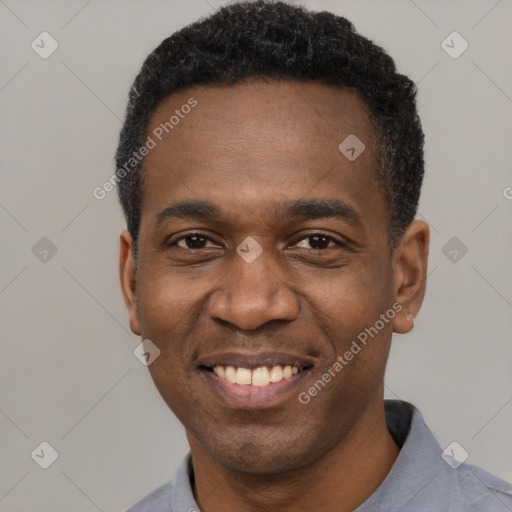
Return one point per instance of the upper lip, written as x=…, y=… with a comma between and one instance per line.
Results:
x=251, y=361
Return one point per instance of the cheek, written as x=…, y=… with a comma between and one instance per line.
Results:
x=163, y=302
x=349, y=309
x=352, y=298
x=170, y=315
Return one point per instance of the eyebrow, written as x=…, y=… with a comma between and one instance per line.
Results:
x=303, y=209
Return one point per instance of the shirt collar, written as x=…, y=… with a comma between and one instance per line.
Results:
x=417, y=466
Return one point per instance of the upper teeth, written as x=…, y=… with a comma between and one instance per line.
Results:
x=261, y=376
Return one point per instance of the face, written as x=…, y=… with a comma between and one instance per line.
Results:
x=261, y=247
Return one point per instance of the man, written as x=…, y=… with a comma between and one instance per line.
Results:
x=270, y=167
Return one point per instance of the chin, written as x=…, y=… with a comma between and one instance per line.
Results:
x=256, y=464
x=262, y=455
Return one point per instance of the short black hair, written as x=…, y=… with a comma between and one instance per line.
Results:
x=276, y=40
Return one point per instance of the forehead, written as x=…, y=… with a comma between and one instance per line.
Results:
x=260, y=142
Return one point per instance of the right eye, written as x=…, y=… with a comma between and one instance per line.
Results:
x=192, y=241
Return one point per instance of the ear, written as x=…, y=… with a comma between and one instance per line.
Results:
x=410, y=260
x=128, y=277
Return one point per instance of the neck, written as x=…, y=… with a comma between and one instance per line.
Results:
x=340, y=479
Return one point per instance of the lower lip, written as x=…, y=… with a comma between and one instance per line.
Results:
x=254, y=397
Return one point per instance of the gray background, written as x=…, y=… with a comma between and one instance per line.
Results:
x=68, y=373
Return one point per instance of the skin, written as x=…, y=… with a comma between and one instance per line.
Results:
x=245, y=148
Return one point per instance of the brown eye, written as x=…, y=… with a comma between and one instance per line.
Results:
x=318, y=241
x=191, y=241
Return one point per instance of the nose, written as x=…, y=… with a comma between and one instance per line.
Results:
x=253, y=294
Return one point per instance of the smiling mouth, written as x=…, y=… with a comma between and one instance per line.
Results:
x=258, y=377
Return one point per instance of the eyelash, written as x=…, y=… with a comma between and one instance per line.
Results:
x=337, y=242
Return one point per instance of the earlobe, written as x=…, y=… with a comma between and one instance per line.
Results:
x=128, y=278
x=410, y=261
x=411, y=316
x=404, y=323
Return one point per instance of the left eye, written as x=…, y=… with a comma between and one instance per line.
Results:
x=318, y=241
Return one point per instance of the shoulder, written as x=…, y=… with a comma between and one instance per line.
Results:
x=158, y=500
x=423, y=479
x=480, y=490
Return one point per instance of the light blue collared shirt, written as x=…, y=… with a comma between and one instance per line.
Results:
x=419, y=481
